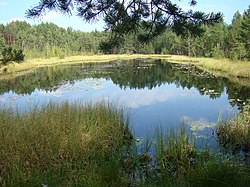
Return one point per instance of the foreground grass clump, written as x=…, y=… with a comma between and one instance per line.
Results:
x=234, y=135
x=181, y=163
x=174, y=159
x=62, y=145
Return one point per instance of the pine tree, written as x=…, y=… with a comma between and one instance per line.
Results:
x=245, y=31
x=236, y=49
x=127, y=17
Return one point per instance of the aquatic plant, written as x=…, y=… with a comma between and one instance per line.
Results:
x=92, y=145
x=62, y=145
x=178, y=161
x=234, y=135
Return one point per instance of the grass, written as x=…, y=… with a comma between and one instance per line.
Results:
x=30, y=64
x=62, y=145
x=234, y=135
x=178, y=162
x=222, y=67
x=90, y=145
x=226, y=67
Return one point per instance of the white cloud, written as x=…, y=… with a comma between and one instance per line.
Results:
x=51, y=16
x=198, y=124
x=137, y=98
x=2, y=99
x=3, y=3
x=57, y=93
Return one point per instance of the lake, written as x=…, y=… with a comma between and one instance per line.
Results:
x=154, y=92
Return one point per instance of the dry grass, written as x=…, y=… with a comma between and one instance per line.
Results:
x=222, y=66
x=15, y=68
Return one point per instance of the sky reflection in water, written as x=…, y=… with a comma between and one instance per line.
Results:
x=150, y=108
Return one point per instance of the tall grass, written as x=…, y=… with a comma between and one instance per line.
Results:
x=91, y=145
x=62, y=145
x=234, y=135
x=178, y=161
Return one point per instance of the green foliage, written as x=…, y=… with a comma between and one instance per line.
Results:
x=235, y=45
x=217, y=52
x=245, y=31
x=2, y=43
x=164, y=51
x=10, y=54
x=47, y=40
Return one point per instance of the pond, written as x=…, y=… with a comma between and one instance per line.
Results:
x=155, y=92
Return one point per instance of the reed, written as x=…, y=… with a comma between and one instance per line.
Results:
x=178, y=161
x=234, y=135
x=62, y=145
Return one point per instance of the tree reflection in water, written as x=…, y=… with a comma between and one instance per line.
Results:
x=135, y=74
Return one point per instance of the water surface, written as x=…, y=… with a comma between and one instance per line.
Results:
x=155, y=92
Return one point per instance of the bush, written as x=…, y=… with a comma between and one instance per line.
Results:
x=10, y=54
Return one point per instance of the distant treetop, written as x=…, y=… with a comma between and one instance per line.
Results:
x=129, y=16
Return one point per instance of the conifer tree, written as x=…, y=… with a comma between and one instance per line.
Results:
x=245, y=31
x=124, y=17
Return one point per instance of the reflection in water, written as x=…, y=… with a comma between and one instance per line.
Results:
x=157, y=92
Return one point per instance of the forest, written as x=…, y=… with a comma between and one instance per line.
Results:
x=46, y=40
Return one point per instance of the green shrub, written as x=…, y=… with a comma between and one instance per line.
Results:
x=10, y=54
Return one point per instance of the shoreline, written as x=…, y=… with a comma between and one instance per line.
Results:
x=221, y=67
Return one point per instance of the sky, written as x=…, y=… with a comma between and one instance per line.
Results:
x=15, y=10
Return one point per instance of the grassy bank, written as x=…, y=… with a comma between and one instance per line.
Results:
x=89, y=145
x=17, y=69
x=225, y=67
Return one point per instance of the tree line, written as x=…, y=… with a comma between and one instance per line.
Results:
x=47, y=40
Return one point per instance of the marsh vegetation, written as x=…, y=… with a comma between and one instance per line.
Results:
x=92, y=145
x=62, y=145
x=55, y=131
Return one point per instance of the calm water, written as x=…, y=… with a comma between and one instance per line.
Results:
x=155, y=92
